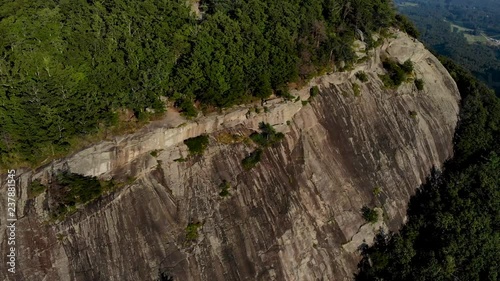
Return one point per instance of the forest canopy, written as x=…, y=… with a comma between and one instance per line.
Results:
x=67, y=67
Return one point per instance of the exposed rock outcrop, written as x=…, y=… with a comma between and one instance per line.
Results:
x=296, y=216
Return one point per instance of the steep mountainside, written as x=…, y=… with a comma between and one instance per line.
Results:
x=295, y=216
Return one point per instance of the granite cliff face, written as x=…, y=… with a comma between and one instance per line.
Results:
x=296, y=216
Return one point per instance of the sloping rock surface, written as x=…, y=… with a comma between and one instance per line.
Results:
x=295, y=216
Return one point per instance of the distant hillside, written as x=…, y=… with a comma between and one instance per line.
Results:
x=466, y=31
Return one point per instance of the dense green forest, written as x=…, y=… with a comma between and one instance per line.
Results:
x=459, y=29
x=68, y=67
x=453, y=224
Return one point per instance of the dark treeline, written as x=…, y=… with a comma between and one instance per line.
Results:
x=453, y=224
x=67, y=67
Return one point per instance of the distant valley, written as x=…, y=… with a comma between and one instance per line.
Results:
x=465, y=31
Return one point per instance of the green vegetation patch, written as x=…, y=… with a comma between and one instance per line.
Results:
x=155, y=152
x=67, y=190
x=356, y=89
x=396, y=73
x=370, y=215
x=362, y=76
x=377, y=191
x=224, y=187
x=407, y=66
x=36, y=188
x=476, y=38
x=285, y=94
x=314, y=91
x=229, y=138
x=197, y=145
x=186, y=107
x=419, y=83
x=252, y=159
x=267, y=136
x=192, y=231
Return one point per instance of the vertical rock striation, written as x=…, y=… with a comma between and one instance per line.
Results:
x=295, y=216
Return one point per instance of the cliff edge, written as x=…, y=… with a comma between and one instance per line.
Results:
x=295, y=216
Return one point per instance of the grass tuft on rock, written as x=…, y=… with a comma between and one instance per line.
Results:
x=224, y=187
x=361, y=75
x=192, y=231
